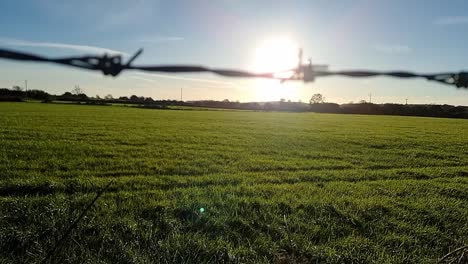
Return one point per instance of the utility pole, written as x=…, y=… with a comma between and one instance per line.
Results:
x=370, y=98
x=26, y=88
x=406, y=101
x=181, y=94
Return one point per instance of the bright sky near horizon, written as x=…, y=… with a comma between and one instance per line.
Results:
x=419, y=35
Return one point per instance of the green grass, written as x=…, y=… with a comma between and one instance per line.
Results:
x=275, y=187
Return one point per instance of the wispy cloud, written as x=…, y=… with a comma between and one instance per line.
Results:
x=143, y=79
x=158, y=39
x=81, y=48
x=393, y=49
x=146, y=76
x=451, y=20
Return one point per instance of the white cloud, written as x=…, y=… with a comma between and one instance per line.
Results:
x=393, y=49
x=143, y=79
x=81, y=48
x=153, y=75
x=451, y=20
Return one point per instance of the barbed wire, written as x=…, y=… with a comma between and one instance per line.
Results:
x=113, y=65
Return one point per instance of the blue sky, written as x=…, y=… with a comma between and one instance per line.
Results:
x=423, y=36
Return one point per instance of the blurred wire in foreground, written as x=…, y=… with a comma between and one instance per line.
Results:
x=113, y=65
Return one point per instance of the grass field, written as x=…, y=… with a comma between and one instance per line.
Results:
x=274, y=187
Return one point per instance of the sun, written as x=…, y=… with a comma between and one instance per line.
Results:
x=278, y=54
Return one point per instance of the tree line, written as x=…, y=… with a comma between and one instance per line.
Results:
x=316, y=104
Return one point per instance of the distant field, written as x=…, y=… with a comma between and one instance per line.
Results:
x=275, y=187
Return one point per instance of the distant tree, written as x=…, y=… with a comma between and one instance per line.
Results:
x=362, y=102
x=268, y=106
x=149, y=99
x=108, y=97
x=133, y=98
x=38, y=94
x=125, y=98
x=67, y=94
x=77, y=90
x=282, y=100
x=97, y=96
x=316, y=99
x=82, y=96
x=17, y=88
x=226, y=101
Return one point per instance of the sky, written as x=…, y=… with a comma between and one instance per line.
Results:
x=420, y=35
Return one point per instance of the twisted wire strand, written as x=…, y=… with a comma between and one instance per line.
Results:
x=113, y=65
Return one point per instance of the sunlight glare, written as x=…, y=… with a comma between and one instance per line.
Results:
x=272, y=90
x=275, y=55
